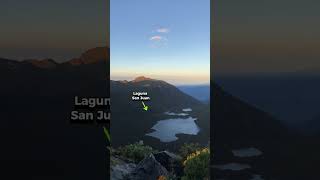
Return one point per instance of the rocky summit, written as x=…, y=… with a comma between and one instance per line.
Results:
x=151, y=167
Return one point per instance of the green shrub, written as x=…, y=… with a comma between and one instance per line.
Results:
x=196, y=166
x=188, y=148
x=135, y=152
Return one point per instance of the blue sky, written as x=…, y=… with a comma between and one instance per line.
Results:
x=162, y=39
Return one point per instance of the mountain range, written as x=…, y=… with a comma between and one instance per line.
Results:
x=39, y=141
x=164, y=98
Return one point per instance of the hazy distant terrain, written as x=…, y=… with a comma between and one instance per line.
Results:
x=200, y=92
x=293, y=98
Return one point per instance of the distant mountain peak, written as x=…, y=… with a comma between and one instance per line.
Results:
x=91, y=56
x=124, y=81
x=141, y=78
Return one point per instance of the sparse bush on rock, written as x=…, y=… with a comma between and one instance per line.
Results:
x=197, y=165
x=188, y=148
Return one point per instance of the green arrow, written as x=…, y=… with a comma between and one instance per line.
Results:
x=106, y=132
x=144, y=106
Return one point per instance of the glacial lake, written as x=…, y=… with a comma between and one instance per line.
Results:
x=232, y=166
x=187, y=110
x=247, y=152
x=256, y=177
x=175, y=114
x=166, y=130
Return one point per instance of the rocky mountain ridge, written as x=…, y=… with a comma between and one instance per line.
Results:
x=91, y=56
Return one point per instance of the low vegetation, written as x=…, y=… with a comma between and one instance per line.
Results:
x=188, y=148
x=135, y=152
x=196, y=165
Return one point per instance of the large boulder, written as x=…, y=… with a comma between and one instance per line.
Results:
x=170, y=161
x=120, y=169
x=148, y=168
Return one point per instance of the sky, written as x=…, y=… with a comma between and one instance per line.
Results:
x=59, y=29
x=249, y=36
x=258, y=36
x=167, y=40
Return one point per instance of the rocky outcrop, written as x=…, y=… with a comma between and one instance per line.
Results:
x=148, y=168
x=120, y=169
x=170, y=161
x=151, y=167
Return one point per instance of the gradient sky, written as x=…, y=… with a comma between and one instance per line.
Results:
x=59, y=29
x=258, y=36
x=167, y=39
x=249, y=36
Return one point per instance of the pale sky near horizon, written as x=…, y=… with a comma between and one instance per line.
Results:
x=167, y=40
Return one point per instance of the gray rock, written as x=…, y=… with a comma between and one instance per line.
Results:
x=170, y=161
x=120, y=169
x=148, y=168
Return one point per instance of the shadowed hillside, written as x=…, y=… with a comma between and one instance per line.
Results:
x=283, y=153
x=37, y=138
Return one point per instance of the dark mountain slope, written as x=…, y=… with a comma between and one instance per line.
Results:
x=234, y=118
x=37, y=139
x=45, y=63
